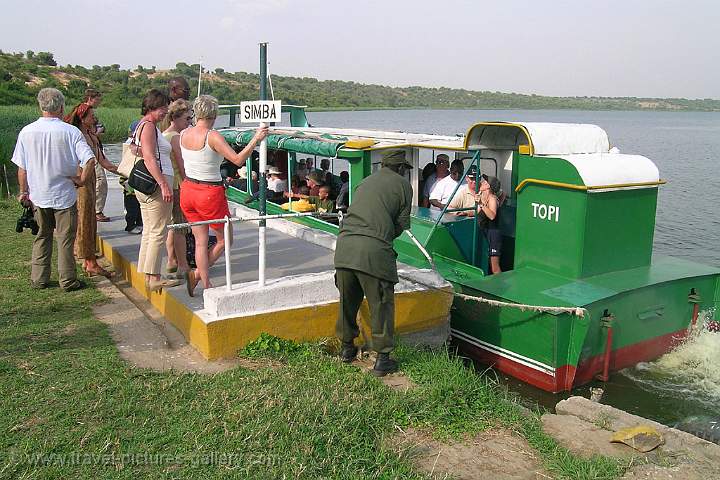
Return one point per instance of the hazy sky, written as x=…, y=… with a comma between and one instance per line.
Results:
x=550, y=47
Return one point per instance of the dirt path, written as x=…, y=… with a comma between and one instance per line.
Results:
x=145, y=339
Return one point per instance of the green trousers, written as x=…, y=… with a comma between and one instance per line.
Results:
x=62, y=225
x=353, y=286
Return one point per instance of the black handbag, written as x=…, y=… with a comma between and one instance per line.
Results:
x=140, y=178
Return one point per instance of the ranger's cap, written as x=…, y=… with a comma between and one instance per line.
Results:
x=395, y=157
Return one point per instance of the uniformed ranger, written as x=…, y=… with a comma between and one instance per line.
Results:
x=365, y=260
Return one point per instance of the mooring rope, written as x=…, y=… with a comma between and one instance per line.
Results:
x=577, y=311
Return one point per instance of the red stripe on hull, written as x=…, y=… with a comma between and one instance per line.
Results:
x=523, y=372
x=624, y=357
x=568, y=376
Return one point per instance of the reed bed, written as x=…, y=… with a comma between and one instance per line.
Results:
x=14, y=118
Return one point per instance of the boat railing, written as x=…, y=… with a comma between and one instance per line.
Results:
x=228, y=221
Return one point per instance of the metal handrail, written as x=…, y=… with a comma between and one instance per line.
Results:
x=227, y=221
x=584, y=188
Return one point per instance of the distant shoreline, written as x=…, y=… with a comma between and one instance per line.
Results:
x=556, y=108
x=22, y=75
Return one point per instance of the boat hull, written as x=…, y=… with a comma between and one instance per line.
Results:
x=559, y=352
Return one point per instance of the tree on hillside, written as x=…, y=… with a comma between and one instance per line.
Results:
x=45, y=58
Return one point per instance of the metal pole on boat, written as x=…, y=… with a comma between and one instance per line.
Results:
x=263, y=167
x=199, y=76
x=476, y=163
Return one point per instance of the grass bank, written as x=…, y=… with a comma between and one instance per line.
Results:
x=70, y=407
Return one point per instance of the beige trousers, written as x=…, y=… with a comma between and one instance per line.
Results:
x=155, y=214
x=61, y=224
x=101, y=188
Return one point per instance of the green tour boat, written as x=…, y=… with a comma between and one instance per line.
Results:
x=581, y=293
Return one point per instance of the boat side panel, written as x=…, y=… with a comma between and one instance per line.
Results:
x=550, y=221
x=619, y=228
x=649, y=318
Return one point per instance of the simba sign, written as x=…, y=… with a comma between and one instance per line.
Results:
x=260, y=111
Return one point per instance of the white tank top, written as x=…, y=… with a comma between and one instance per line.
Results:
x=164, y=148
x=203, y=164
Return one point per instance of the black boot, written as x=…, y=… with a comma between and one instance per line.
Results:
x=384, y=365
x=349, y=352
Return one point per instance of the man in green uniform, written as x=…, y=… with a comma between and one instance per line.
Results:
x=365, y=260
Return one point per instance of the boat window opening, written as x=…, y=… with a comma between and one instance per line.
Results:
x=284, y=120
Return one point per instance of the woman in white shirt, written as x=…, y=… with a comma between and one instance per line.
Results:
x=202, y=194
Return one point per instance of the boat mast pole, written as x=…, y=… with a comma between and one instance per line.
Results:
x=199, y=77
x=263, y=167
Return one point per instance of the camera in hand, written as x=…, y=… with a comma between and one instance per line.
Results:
x=27, y=220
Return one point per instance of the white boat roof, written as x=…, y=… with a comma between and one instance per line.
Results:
x=585, y=146
x=542, y=138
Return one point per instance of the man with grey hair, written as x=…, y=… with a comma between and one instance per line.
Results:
x=49, y=154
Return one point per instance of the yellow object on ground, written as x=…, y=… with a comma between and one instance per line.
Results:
x=642, y=438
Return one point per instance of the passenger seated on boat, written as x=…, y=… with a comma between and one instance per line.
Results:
x=444, y=188
x=275, y=182
x=465, y=196
x=228, y=171
x=325, y=165
x=322, y=202
x=427, y=172
x=330, y=181
x=240, y=182
x=442, y=170
x=489, y=218
x=295, y=183
x=314, y=181
x=343, y=198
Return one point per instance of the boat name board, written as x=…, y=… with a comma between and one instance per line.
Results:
x=260, y=111
x=546, y=212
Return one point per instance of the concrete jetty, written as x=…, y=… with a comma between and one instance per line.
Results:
x=299, y=301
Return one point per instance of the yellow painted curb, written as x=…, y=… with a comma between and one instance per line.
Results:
x=414, y=312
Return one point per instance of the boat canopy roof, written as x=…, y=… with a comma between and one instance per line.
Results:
x=540, y=138
x=535, y=138
x=585, y=146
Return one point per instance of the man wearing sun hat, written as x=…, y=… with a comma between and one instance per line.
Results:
x=365, y=260
x=314, y=180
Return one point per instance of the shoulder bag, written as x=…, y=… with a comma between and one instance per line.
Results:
x=129, y=157
x=140, y=178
